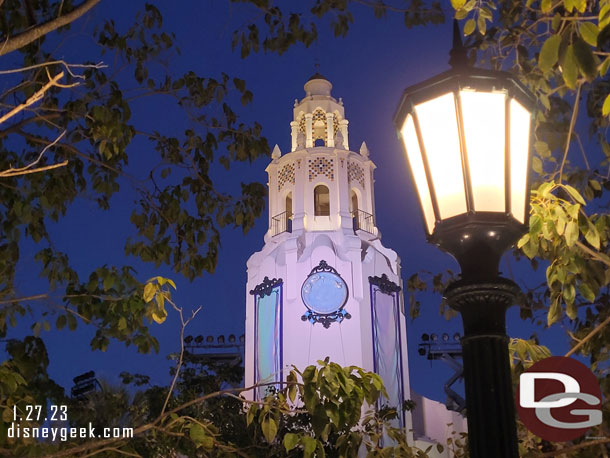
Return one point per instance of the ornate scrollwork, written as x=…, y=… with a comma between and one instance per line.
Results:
x=384, y=284
x=323, y=267
x=326, y=320
x=266, y=287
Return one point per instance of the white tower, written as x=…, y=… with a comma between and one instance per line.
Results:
x=323, y=285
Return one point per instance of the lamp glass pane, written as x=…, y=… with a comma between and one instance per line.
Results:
x=483, y=115
x=519, y=151
x=438, y=125
x=409, y=137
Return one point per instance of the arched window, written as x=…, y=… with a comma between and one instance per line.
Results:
x=320, y=142
x=289, y=205
x=321, y=200
x=354, y=203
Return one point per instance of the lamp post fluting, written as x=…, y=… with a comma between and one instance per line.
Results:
x=466, y=134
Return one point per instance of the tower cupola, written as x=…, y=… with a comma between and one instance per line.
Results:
x=320, y=185
x=319, y=118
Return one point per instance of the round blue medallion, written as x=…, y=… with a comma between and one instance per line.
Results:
x=324, y=292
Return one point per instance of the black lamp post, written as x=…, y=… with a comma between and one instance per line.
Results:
x=466, y=135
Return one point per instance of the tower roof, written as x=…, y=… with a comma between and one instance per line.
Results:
x=317, y=76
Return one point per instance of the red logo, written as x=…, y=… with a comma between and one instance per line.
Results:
x=559, y=399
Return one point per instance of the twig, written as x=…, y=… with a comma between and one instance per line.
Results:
x=66, y=65
x=112, y=449
x=588, y=337
x=569, y=139
x=183, y=325
x=28, y=168
x=149, y=426
x=595, y=255
x=605, y=440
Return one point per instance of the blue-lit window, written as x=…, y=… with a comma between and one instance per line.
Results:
x=268, y=339
x=387, y=348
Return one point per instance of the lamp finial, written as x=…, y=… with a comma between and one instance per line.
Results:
x=457, y=55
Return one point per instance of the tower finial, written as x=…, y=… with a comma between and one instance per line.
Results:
x=316, y=64
x=457, y=55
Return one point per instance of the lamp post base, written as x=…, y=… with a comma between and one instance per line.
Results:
x=490, y=407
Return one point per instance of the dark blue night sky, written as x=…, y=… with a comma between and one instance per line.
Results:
x=369, y=69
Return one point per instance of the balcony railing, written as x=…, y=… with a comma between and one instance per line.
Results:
x=363, y=221
x=281, y=223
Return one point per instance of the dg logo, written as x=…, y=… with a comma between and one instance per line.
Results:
x=559, y=399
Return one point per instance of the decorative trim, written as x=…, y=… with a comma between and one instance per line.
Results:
x=384, y=284
x=266, y=287
x=321, y=166
x=326, y=320
x=355, y=173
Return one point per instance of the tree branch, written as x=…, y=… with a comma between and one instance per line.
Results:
x=34, y=98
x=28, y=36
x=598, y=328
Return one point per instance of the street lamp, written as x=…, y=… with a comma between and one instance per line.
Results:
x=466, y=134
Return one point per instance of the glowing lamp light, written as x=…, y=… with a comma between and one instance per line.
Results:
x=466, y=133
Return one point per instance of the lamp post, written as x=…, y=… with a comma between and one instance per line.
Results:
x=466, y=136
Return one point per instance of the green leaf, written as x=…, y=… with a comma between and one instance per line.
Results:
x=575, y=194
x=589, y=32
x=61, y=322
x=535, y=225
x=604, y=16
x=586, y=292
x=584, y=57
x=549, y=53
x=469, y=27
x=482, y=25
x=7, y=415
x=603, y=69
x=606, y=106
x=569, y=67
x=291, y=440
x=569, y=293
x=457, y=4
x=537, y=165
x=523, y=240
x=149, y=292
x=573, y=210
x=309, y=445
x=269, y=428
x=592, y=236
x=554, y=313
x=531, y=248
x=200, y=437
x=122, y=323
x=545, y=5
x=571, y=234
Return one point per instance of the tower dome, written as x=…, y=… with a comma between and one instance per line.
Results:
x=318, y=85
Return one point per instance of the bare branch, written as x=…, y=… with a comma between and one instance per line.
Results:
x=35, y=97
x=28, y=36
x=28, y=168
x=66, y=65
